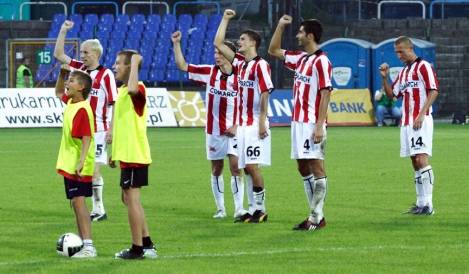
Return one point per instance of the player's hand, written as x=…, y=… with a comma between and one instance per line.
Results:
x=318, y=134
x=67, y=25
x=136, y=59
x=231, y=132
x=285, y=20
x=176, y=37
x=229, y=14
x=79, y=169
x=384, y=70
x=263, y=130
x=111, y=163
x=109, y=137
x=418, y=122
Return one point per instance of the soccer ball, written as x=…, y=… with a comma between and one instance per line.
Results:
x=69, y=244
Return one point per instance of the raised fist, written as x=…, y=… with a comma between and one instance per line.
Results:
x=384, y=70
x=285, y=20
x=136, y=59
x=67, y=25
x=176, y=37
x=228, y=14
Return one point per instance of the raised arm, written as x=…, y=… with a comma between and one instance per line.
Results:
x=59, y=51
x=384, y=72
x=276, y=42
x=178, y=56
x=133, y=77
x=221, y=33
x=60, y=83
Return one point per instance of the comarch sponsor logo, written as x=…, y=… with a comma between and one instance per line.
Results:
x=246, y=83
x=408, y=84
x=342, y=75
x=223, y=93
x=302, y=78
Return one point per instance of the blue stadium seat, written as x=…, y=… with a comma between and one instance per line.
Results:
x=41, y=76
x=200, y=20
x=116, y=43
x=154, y=19
x=132, y=44
x=91, y=19
x=58, y=19
x=85, y=35
x=159, y=61
x=173, y=75
x=122, y=19
x=156, y=75
x=53, y=33
x=72, y=34
x=185, y=20
x=134, y=35
x=120, y=28
x=106, y=19
x=136, y=28
x=214, y=21
x=138, y=19
x=76, y=18
x=143, y=74
x=118, y=34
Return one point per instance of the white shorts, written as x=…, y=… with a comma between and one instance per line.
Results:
x=417, y=141
x=219, y=146
x=101, y=147
x=251, y=148
x=302, y=144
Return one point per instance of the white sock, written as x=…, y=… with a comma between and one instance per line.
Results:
x=87, y=242
x=308, y=182
x=218, y=188
x=427, y=179
x=237, y=188
x=251, y=202
x=419, y=190
x=319, y=195
x=259, y=197
x=98, y=206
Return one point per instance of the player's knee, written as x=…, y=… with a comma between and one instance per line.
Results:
x=235, y=171
x=420, y=161
x=78, y=202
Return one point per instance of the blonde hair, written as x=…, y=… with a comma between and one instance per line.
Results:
x=95, y=45
x=404, y=40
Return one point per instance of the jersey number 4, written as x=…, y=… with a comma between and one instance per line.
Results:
x=306, y=144
x=417, y=142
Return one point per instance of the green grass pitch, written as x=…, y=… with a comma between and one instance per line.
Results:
x=369, y=187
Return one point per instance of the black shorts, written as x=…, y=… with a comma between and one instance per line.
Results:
x=76, y=189
x=134, y=177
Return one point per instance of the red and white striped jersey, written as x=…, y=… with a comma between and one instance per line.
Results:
x=312, y=74
x=103, y=93
x=220, y=96
x=253, y=79
x=413, y=83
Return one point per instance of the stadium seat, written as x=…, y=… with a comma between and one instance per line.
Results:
x=173, y=75
x=156, y=75
x=76, y=18
x=106, y=19
x=138, y=19
x=118, y=34
x=91, y=19
x=184, y=21
x=143, y=74
x=214, y=21
x=154, y=19
x=85, y=35
x=134, y=35
x=122, y=19
x=132, y=44
x=41, y=76
x=58, y=20
x=200, y=21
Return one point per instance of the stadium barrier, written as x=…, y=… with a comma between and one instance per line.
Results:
x=39, y=107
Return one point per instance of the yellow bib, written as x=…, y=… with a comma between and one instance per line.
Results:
x=129, y=132
x=70, y=148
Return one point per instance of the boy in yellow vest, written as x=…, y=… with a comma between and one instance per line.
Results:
x=130, y=147
x=76, y=155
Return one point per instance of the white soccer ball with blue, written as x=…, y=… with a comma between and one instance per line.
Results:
x=69, y=244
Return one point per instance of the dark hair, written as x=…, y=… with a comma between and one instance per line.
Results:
x=313, y=26
x=84, y=79
x=253, y=35
x=230, y=44
x=128, y=56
